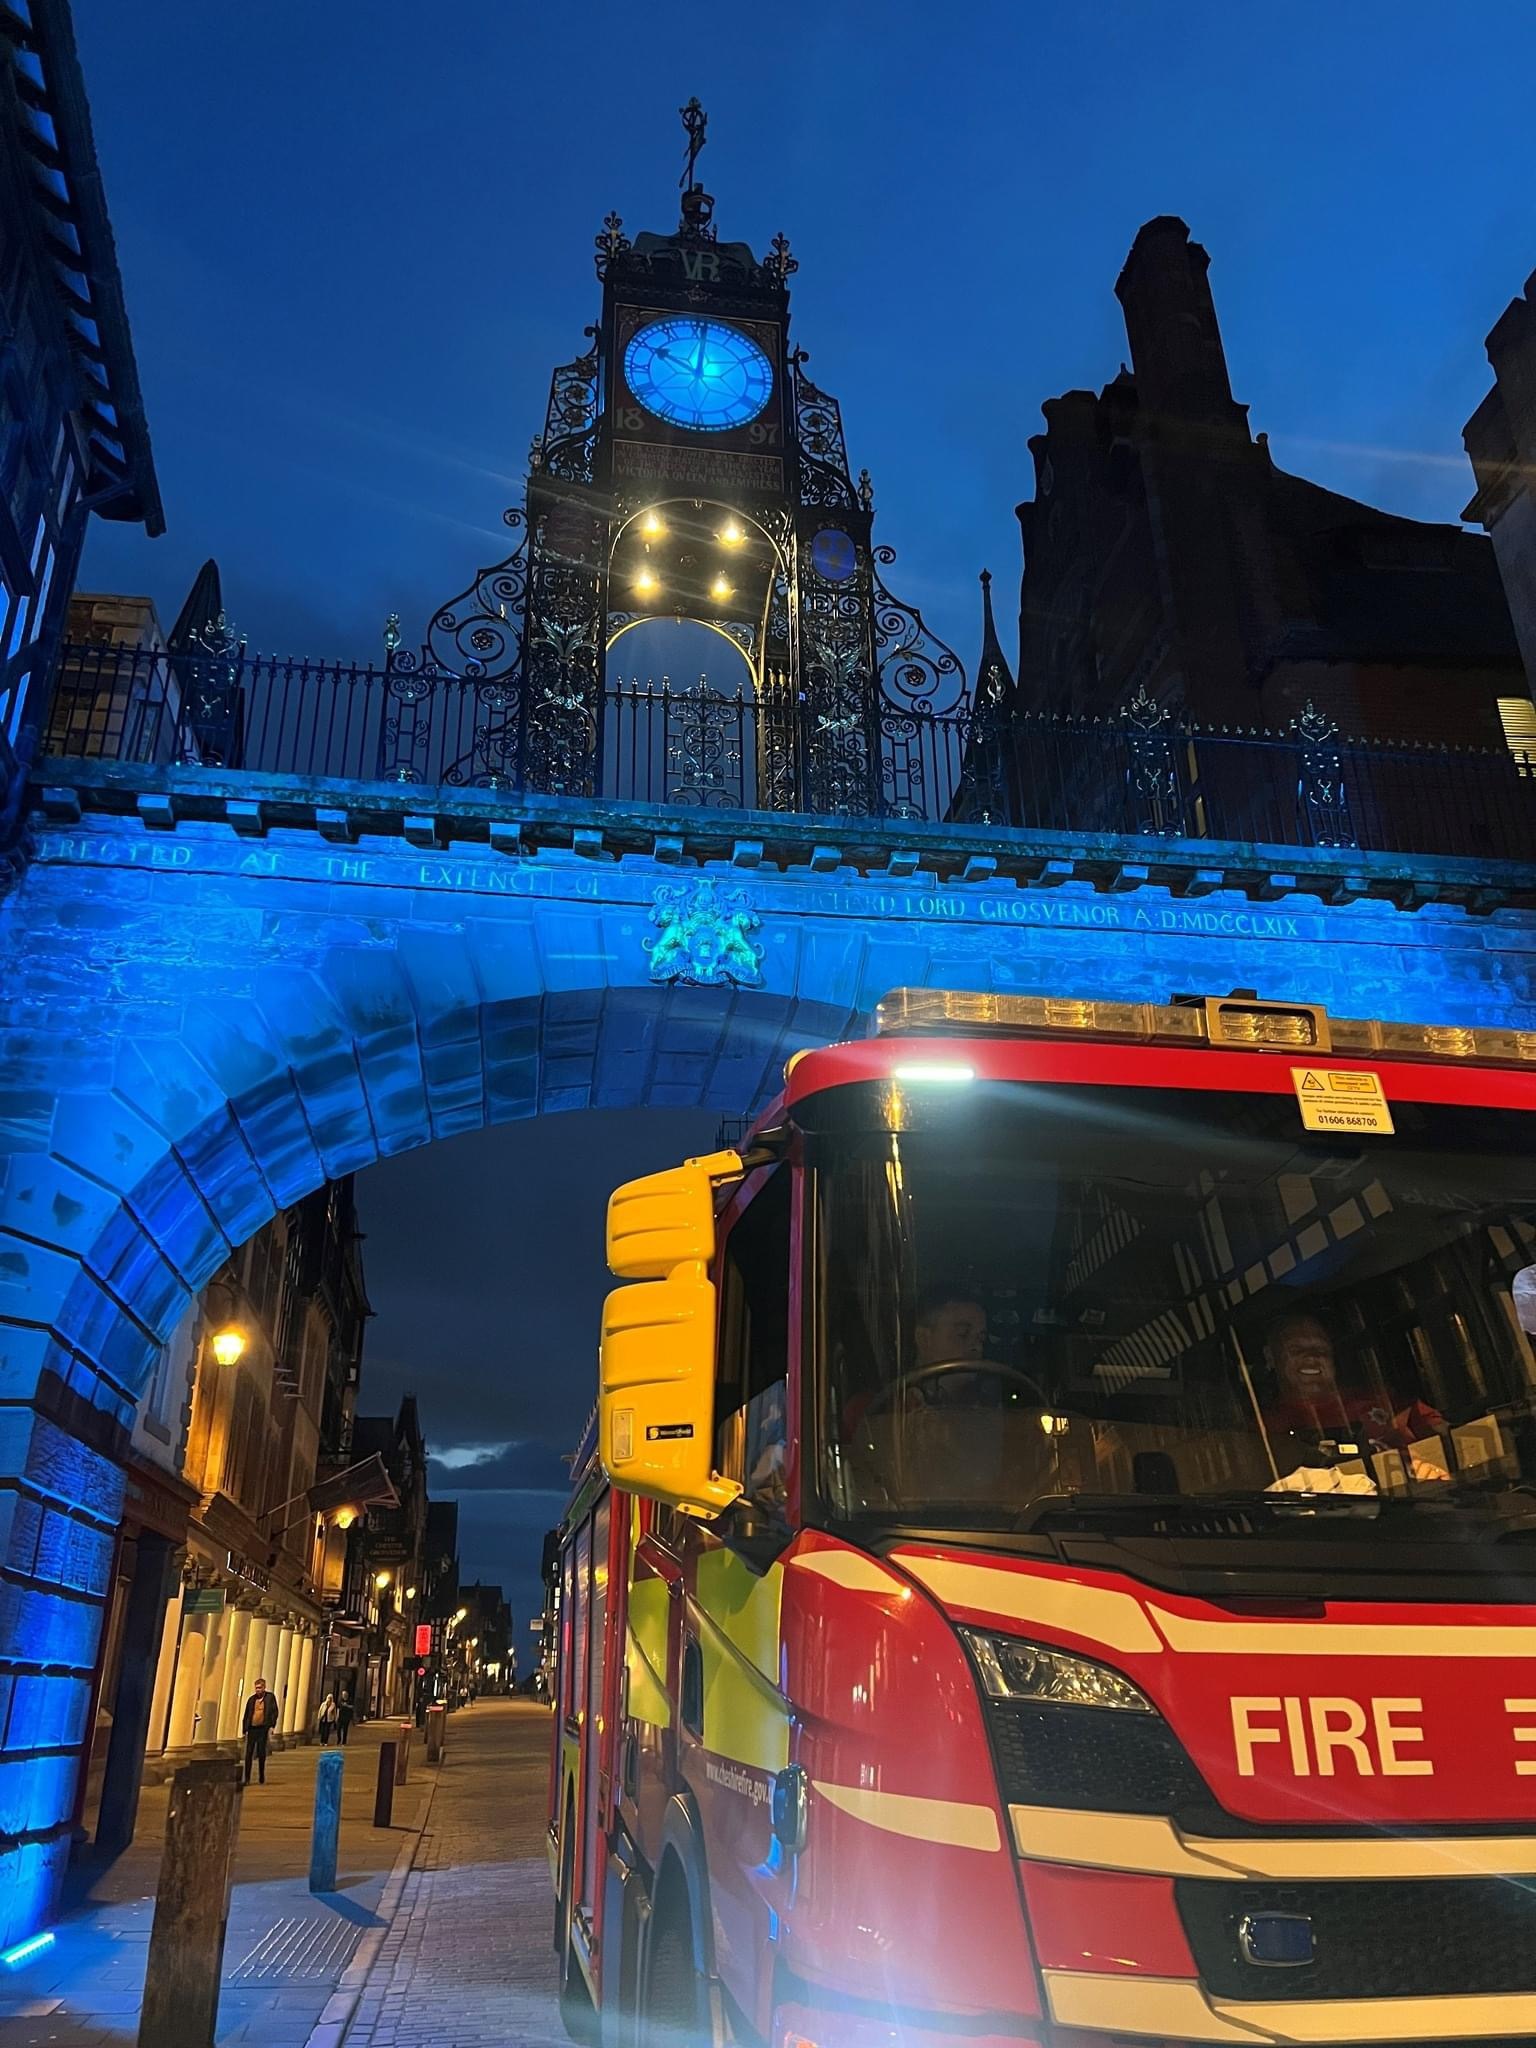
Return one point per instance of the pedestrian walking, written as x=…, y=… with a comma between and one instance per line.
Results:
x=259, y=1720
x=328, y=1720
x=344, y=1717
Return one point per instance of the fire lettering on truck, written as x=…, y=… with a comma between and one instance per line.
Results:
x=1322, y=1733
x=1525, y=1766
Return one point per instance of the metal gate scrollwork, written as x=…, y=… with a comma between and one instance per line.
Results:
x=1152, y=772
x=1321, y=795
x=703, y=730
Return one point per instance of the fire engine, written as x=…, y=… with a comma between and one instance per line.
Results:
x=1055, y=1558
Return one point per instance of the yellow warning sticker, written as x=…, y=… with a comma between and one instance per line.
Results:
x=1341, y=1099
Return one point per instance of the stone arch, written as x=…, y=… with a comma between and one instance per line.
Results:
x=213, y=999
x=171, y=1150
x=210, y=1137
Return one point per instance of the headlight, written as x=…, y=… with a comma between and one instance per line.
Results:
x=1015, y=1670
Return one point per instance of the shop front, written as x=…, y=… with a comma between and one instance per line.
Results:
x=236, y=1620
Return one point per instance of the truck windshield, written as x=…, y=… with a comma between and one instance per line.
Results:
x=1050, y=1300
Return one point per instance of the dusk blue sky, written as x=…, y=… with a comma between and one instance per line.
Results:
x=356, y=239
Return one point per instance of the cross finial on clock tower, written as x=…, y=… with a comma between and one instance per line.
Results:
x=695, y=124
x=698, y=206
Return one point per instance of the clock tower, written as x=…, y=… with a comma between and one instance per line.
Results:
x=689, y=469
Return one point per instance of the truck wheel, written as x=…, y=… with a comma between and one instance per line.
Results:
x=671, y=2017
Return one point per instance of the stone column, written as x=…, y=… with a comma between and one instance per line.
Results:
x=304, y=1692
x=187, y=1689
x=165, y=1672
x=255, y=1656
x=279, y=1680
x=232, y=1699
x=211, y=1691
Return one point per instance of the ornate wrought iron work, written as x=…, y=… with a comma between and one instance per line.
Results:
x=413, y=686
x=611, y=243
x=1322, y=798
x=841, y=728
x=703, y=733
x=778, y=725
x=779, y=262
x=206, y=676
x=824, y=478
x=742, y=632
x=1152, y=772
x=570, y=423
x=562, y=675
x=703, y=936
x=480, y=632
x=1301, y=787
x=917, y=671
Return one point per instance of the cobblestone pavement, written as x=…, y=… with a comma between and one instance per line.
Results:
x=467, y=1958
x=285, y=1953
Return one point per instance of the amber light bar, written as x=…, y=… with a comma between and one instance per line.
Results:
x=1231, y=1021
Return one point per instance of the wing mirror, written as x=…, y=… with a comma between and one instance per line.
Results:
x=667, y=1219
x=657, y=1399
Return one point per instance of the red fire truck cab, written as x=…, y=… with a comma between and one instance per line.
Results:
x=1056, y=1558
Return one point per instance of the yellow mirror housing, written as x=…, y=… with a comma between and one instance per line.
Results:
x=656, y=1408
x=667, y=1219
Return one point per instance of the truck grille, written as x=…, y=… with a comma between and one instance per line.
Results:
x=1092, y=1758
x=1420, y=1938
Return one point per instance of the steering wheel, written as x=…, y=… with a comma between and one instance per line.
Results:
x=990, y=1366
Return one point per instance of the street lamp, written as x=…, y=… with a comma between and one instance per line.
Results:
x=381, y=1580
x=228, y=1341
x=410, y=1592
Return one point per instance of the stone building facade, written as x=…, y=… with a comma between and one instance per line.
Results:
x=1166, y=552
x=236, y=1589
x=1500, y=440
x=72, y=435
x=382, y=1599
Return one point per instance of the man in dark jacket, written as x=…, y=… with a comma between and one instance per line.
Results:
x=260, y=1720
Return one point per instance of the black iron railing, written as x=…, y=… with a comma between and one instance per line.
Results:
x=778, y=750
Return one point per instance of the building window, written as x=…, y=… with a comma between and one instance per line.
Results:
x=751, y=1425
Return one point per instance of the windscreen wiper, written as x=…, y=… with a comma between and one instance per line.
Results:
x=1053, y=1508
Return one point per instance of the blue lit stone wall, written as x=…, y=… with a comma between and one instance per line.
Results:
x=201, y=1021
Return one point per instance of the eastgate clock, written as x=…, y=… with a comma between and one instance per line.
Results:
x=700, y=374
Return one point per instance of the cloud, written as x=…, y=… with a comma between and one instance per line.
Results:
x=528, y=1467
x=457, y=1456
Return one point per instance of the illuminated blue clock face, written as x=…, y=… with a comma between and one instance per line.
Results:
x=698, y=374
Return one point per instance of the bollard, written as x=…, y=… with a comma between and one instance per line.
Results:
x=186, y=1942
x=384, y=1795
x=403, y=1756
x=436, y=1721
x=325, y=1838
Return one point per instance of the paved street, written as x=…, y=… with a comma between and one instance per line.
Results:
x=438, y=1933
x=467, y=1959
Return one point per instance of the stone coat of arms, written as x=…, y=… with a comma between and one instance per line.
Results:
x=703, y=936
